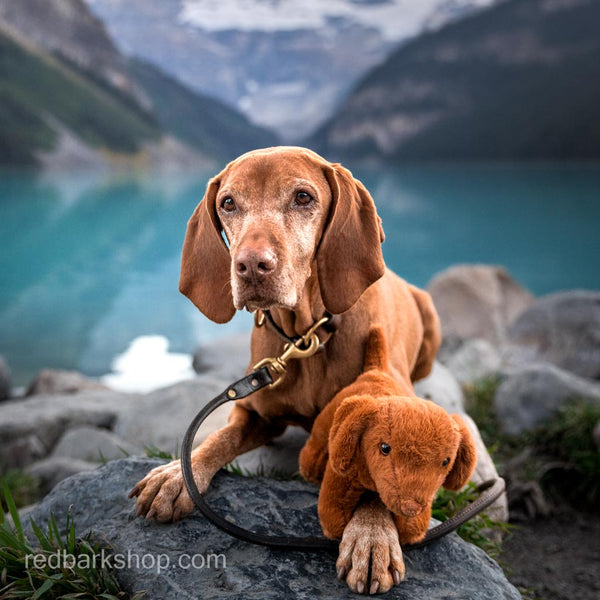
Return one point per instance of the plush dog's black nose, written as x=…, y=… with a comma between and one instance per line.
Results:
x=255, y=263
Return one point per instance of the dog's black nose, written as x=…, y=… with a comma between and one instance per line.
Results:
x=255, y=263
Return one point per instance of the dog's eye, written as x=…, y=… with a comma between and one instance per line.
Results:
x=446, y=462
x=228, y=205
x=385, y=448
x=303, y=198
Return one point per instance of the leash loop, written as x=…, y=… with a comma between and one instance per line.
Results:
x=260, y=377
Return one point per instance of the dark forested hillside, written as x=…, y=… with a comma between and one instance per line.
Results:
x=68, y=97
x=520, y=80
x=40, y=95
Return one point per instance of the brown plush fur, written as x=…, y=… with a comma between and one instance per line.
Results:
x=429, y=449
x=297, y=259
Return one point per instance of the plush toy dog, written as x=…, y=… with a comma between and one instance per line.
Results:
x=377, y=435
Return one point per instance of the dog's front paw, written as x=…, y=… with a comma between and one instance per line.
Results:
x=370, y=540
x=162, y=495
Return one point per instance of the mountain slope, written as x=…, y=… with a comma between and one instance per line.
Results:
x=285, y=65
x=68, y=29
x=200, y=121
x=69, y=98
x=39, y=96
x=520, y=80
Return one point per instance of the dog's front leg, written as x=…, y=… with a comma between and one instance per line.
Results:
x=162, y=495
x=370, y=540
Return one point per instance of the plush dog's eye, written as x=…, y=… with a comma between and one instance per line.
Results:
x=228, y=205
x=446, y=462
x=385, y=448
x=303, y=198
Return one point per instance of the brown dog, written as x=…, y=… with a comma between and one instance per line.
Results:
x=377, y=435
x=302, y=236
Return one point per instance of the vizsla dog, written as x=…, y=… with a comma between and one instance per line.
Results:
x=285, y=230
x=377, y=435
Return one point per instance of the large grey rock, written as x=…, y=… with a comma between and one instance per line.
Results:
x=531, y=395
x=562, y=329
x=442, y=387
x=226, y=357
x=51, y=471
x=279, y=457
x=475, y=359
x=477, y=301
x=485, y=469
x=450, y=568
x=4, y=380
x=93, y=445
x=57, y=381
x=161, y=418
x=30, y=428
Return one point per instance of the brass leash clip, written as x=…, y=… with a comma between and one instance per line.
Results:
x=304, y=347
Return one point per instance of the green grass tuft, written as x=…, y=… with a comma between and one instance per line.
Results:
x=563, y=458
x=573, y=467
x=25, y=576
x=24, y=488
x=478, y=529
x=154, y=452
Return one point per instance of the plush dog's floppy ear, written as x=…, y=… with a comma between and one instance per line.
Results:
x=349, y=257
x=205, y=261
x=351, y=420
x=466, y=457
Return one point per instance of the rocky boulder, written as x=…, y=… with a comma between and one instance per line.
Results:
x=442, y=387
x=93, y=444
x=192, y=559
x=226, y=357
x=531, y=395
x=474, y=359
x=57, y=381
x=51, y=471
x=161, y=418
x=30, y=428
x=562, y=329
x=477, y=301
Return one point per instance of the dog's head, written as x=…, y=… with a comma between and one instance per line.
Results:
x=403, y=448
x=270, y=218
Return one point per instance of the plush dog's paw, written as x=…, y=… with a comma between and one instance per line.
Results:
x=162, y=495
x=370, y=540
x=312, y=462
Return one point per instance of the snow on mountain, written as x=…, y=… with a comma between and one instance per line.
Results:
x=285, y=64
x=394, y=19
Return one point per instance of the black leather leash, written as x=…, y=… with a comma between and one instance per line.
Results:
x=258, y=379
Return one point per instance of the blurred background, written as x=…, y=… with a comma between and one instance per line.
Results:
x=474, y=124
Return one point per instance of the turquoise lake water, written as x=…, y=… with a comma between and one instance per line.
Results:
x=91, y=262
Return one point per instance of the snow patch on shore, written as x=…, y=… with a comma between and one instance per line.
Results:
x=148, y=365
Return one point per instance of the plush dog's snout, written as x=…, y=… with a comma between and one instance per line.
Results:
x=255, y=263
x=411, y=508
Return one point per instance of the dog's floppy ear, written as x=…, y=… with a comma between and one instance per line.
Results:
x=205, y=262
x=349, y=257
x=466, y=457
x=351, y=420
